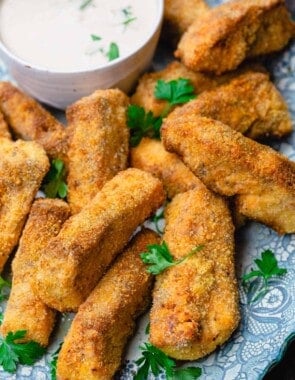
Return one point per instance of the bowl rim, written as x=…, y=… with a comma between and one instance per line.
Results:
x=29, y=65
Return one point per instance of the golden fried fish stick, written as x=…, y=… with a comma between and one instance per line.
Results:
x=24, y=310
x=232, y=164
x=180, y=14
x=151, y=156
x=94, y=345
x=30, y=121
x=4, y=130
x=90, y=240
x=98, y=146
x=22, y=168
x=249, y=104
x=221, y=39
x=195, y=303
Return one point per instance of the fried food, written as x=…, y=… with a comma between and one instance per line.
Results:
x=90, y=240
x=226, y=35
x=151, y=156
x=30, y=121
x=4, y=130
x=232, y=164
x=195, y=303
x=98, y=144
x=22, y=166
x=94, y=345
x=24, y=310
x=180, y=14
x=249, y=104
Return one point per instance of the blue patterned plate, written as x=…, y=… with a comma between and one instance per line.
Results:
x=267, y=325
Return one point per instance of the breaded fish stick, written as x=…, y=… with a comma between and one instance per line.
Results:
x=94, y=345
x=30, y=121
x=195, y=303
x=24, y=310
x=98, y=144
x=4, y=131
x=180, y=14
x=249, y=104
x=151, y=156
x=226, y=35
x=232, y=164
x=22, y=166
x=90, y=240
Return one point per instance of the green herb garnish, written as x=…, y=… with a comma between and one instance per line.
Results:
x=12, y=353
x=159, y=257
x=267, y=268
x=175, y=92
x=1, y=318
x=156, y=361
x=4, y=286
x=95, y=37
x=113, y=51
x=53, y=363
x=142, y=123
x=85, y=4
x=54, y=182
x=128, y=16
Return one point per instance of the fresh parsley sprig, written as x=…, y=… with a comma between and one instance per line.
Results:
x=13, y=353
x=155, y=361
x=4, y=288
x=177, y=91
x=54, y=185
x=267, y=268
x=142, y=123
x=159, y=257
x=53, y=363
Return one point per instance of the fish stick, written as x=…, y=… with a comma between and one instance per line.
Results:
x=98, y=144
x=4, y=130
x=221, y=39
x=22, y=166
x=195, y=303
x=30, y=121
x=180, y=14
x=90, y=240
x=151, y=156
x=24, y=310
x=249, y=104
x=229, y=163
x=94, y=345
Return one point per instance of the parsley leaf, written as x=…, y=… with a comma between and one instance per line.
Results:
x=128, y=16
x=159, y=257
x=95, y=37
x=267, y=268
x=156, y=361
x=53, y=363
x=113, y=52
x=1, y=318
x=177, y=91
x=12, y=353
x=85, y=4
x=142, y=123
x=53, y=183
x=4, y=286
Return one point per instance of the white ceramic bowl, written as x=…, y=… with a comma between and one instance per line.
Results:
x=59, y=89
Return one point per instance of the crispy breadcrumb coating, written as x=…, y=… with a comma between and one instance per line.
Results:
x=249, y=104
x=24, y=310
x=195, y=303
x=98, y=146
x=90, y=240
x=94, y=345
x=22, y=166
x=30, y=121
x=151, y=156
x=232, y=164
x=4, y=130
x=226, y=35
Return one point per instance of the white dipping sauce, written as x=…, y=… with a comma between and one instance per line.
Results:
x=70, y=35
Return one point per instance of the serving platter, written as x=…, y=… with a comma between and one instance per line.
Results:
x=267, y=325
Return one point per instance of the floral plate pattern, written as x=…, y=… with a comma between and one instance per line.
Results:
x=268, y=325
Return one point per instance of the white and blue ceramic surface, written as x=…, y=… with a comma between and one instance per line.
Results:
x=267, y=326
